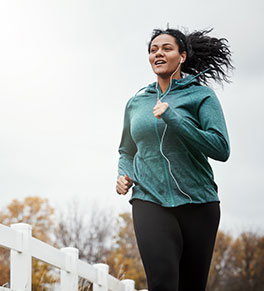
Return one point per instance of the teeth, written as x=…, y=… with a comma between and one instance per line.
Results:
x=160, y=62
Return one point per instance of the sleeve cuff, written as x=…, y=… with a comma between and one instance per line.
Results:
x=171, y=117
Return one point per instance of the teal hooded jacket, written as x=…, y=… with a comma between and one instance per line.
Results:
x=167, y=158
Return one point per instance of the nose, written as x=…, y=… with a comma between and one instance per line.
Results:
x=159, y=53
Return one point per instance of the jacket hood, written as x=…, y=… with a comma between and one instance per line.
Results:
x=176, y=84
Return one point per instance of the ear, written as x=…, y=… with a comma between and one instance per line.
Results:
x=183, y=57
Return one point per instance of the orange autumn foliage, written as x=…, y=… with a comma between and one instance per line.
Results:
x=124, y=259
x=39, y=214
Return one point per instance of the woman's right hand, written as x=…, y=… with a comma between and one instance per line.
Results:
x=123, y=184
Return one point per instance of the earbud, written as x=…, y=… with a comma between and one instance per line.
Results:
x=181, y=61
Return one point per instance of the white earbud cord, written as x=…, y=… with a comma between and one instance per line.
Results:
x=163, y=135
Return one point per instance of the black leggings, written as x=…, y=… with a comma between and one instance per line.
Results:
x=176, y=244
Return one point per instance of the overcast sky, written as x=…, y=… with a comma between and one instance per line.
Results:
x=67, y=69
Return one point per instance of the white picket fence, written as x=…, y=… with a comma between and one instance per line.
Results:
x=18, y=238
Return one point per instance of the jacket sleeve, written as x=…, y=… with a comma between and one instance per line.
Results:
x=212, y=137
x=127, y=148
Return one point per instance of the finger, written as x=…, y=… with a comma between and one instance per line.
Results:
x=122, y=185
x=158, y=105
x=125, y=187
x=120, y=190
x=123, y=180
x=124, y=192
x=157, y=113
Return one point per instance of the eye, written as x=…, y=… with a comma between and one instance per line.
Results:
x=167, y=48
x=153, y=50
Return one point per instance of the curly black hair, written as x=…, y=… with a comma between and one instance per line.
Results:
x=207, y=55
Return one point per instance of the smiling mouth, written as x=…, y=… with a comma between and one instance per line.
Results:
x=160, y=62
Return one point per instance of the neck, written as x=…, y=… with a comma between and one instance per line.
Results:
x=164, y=81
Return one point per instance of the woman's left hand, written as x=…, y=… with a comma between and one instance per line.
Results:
x=160, y=108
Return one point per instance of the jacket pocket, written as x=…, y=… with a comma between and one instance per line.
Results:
x=138, y=168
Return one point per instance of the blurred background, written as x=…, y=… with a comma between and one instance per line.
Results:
x=67, y=69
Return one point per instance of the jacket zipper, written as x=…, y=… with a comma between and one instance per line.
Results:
x=164, y=165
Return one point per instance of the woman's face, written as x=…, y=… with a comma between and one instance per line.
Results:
x=164, y=55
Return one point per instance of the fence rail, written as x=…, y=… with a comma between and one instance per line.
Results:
x=18, y=238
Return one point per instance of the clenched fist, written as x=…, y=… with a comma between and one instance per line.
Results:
x=159, y=108
x=123, y=184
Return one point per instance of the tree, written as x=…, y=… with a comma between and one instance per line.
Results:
x=217, y=273
x=237, y=265
x=124, y=259
x=91, y=232
x=32, y=210
x=245, y=265
x=39, y=214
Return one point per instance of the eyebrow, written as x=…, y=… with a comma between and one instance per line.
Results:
x=166, y=43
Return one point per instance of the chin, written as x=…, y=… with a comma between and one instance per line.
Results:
x=160, y=72
x=163, y=75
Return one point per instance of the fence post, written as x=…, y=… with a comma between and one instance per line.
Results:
x=102, y=277
x=129, y=284
x=21, y=262
x=69, y=280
